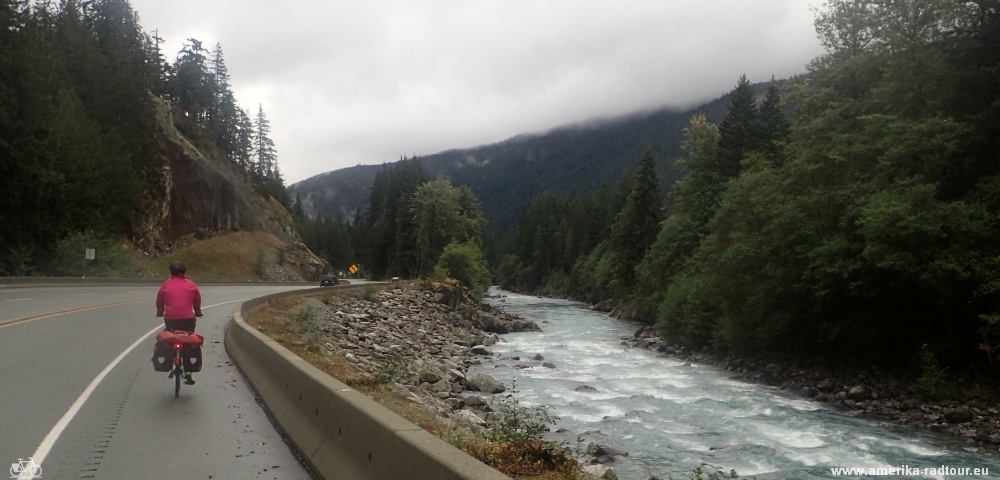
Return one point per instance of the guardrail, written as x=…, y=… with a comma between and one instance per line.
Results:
x=340, y=433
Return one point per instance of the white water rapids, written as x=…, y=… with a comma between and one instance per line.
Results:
x=671, y=418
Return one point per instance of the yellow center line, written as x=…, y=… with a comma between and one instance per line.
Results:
x=31, y=318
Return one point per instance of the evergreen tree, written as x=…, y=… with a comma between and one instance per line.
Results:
x=265, y=158
x=775, y=127
x=637, y=225
x=740, y=131
x=297, y=211
x=244, y=149
x=192, y=83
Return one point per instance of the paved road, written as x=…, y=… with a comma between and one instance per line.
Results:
x=130, y=426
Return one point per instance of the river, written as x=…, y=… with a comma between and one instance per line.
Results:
x=672, y=417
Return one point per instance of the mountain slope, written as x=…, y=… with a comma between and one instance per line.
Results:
x=506, y=176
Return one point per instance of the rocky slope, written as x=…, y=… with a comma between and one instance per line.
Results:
x=195, y=193
x=425, y=341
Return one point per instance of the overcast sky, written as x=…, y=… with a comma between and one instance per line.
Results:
x=345, y=83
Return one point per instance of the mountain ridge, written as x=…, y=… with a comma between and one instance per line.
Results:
x=506, y=175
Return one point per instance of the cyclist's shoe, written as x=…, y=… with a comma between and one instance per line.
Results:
x=189, y=378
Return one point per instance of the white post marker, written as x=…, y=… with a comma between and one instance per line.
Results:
x=46, y=446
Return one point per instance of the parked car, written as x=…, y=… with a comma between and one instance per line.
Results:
x=395, y=279
x=327, y=281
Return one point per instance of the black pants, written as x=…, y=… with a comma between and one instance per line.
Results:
x=186, y=325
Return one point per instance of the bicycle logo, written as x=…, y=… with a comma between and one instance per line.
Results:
x=25, y=467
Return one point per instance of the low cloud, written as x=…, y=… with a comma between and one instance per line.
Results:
x=345, y=83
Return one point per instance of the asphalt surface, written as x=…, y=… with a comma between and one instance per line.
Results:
x=130, y=426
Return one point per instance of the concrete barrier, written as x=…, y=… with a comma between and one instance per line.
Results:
x=340, y=433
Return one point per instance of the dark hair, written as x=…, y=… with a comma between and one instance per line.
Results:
x=178, y=268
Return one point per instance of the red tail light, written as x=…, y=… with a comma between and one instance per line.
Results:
x=178, y=345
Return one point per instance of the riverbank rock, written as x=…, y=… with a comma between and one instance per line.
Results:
x=961, y=415
x=484, y=383
x=856, y=391
x=600, y=472
x=419, y=342
x=859, y=393
x=601, y=450
x=480, y=350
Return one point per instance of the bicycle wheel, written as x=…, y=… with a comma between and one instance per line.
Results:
x=177, y=383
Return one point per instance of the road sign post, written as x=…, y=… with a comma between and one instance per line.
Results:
x=89, y=254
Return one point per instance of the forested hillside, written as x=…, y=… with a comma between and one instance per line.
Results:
x=506, y=176
x=862, y=228
x=414, y=228
x=102, y=139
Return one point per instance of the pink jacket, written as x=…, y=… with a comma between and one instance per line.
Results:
x=178, y=299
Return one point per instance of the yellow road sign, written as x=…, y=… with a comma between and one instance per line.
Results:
x=353, y=269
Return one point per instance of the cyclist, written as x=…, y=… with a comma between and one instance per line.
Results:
x=179, y=303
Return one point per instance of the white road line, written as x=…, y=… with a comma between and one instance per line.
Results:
x=46, y=446
x=18, y=299
x=84, y=294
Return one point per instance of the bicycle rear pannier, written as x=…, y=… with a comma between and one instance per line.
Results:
x=163, y=357
x=191, y=356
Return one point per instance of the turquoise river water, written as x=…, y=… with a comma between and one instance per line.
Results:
x=671, y=418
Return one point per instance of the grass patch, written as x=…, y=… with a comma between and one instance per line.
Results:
x=238, y=256
x=370, y=293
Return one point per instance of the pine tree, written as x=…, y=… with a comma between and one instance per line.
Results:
x=297, y=209
x=740, y=131
x=637, y=225
x=775, y=127
x=265, y=158
x=244, y=149
x=222, y=121
x=192, y=83
x=158, y=65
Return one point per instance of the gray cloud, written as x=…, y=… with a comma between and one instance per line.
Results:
x=365, y=82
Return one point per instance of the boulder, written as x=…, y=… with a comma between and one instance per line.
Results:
x=484, y=383
x=549, y=365
x=538, y=356
x=429, y=377
x=585, y=388
x=470, y=417
x=826, y=385
x=961, y=415
x=859, y=393
x=600, y=471
x=480, y=350
x=474, y=400
x=600, y=449
x=441, y=387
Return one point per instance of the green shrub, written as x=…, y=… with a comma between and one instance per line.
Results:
x=512, y=423
x=370, y=293
x=259, y=263
x=304, y=320
x=112, y=258
x=465, y=263
x=933, y=382
x=709, y=472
